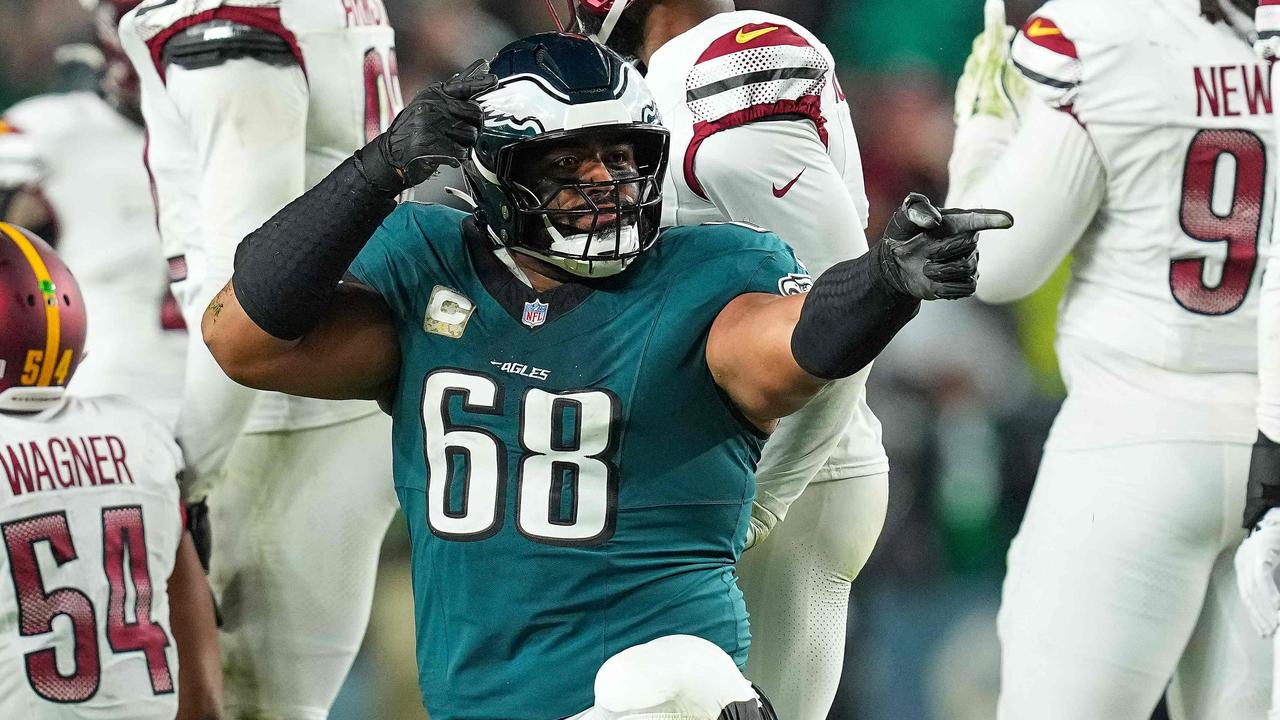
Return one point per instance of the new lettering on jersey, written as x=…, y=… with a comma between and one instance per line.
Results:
x=1166, y=275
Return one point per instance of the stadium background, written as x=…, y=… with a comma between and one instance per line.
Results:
x=963, y=427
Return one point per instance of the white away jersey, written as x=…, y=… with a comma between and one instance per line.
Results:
x=86, y=159
x=735, y=68
x=1179, y=111
x=91, y=522
x=347, y=50
x=724, y=75
x=1162, y=306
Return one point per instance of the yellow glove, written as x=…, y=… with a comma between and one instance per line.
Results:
x=991, y=85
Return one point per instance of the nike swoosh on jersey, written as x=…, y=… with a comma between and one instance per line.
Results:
x=745, y=37
x=780, y=191
x=1039, y=29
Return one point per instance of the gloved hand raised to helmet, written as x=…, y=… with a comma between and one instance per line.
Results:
x=932, y=254
x=438, y=127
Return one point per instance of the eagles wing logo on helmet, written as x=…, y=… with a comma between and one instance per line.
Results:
x=554, y=91
x=507, y=106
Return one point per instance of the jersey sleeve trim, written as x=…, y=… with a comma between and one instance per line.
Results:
x=262, y=18
x=755, y=71
x=809, y=107
x=1049, y=59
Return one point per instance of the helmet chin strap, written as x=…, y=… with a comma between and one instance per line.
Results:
x=610, y=21
x=582, y=267
x=31, y=399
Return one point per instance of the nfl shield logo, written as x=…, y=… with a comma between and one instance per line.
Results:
x=535, y=313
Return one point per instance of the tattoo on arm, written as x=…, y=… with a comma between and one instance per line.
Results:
x=215, y=305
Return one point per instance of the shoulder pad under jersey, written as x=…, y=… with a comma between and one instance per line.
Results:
x=1065, y=37
x=1047, y=56
x=218, y=41
x=757, y=70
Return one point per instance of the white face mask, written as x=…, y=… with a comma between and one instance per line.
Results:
x=588, y=245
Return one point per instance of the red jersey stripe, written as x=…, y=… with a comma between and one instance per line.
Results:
x=751, y=35
x=1048, y=35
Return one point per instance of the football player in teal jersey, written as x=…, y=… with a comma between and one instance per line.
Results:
x=579, y=397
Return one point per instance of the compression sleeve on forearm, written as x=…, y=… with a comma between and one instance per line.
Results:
x=286, y=271
x=849, y=316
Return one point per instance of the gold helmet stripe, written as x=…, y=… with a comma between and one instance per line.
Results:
x=48, y=296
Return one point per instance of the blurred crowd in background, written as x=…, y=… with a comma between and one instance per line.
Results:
x=963, y=436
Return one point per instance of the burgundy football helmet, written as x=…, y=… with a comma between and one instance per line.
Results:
x=43, y=319
x=119, y=82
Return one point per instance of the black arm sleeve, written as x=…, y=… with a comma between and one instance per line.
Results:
x=1264, y=481
x=286, y=271
x=850, y=315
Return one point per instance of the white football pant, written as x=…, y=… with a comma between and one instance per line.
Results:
x=298, y=520
x=1120, y=583
x=796, y=585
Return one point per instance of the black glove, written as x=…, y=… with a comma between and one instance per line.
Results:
x=201, y=530
x=438, y=127
x=202, y=537
x=1263, y=490
x=929, y=254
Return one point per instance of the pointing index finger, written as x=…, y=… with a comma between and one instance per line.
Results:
x=955, y=221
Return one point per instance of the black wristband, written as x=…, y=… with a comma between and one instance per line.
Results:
x=377, y=167
x=1263, y=492
x=850, y=315
x=287, y=270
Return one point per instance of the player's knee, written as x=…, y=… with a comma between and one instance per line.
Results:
x=675, y=676
x=842, y=549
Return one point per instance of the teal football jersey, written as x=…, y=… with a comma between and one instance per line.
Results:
x=574, y=481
